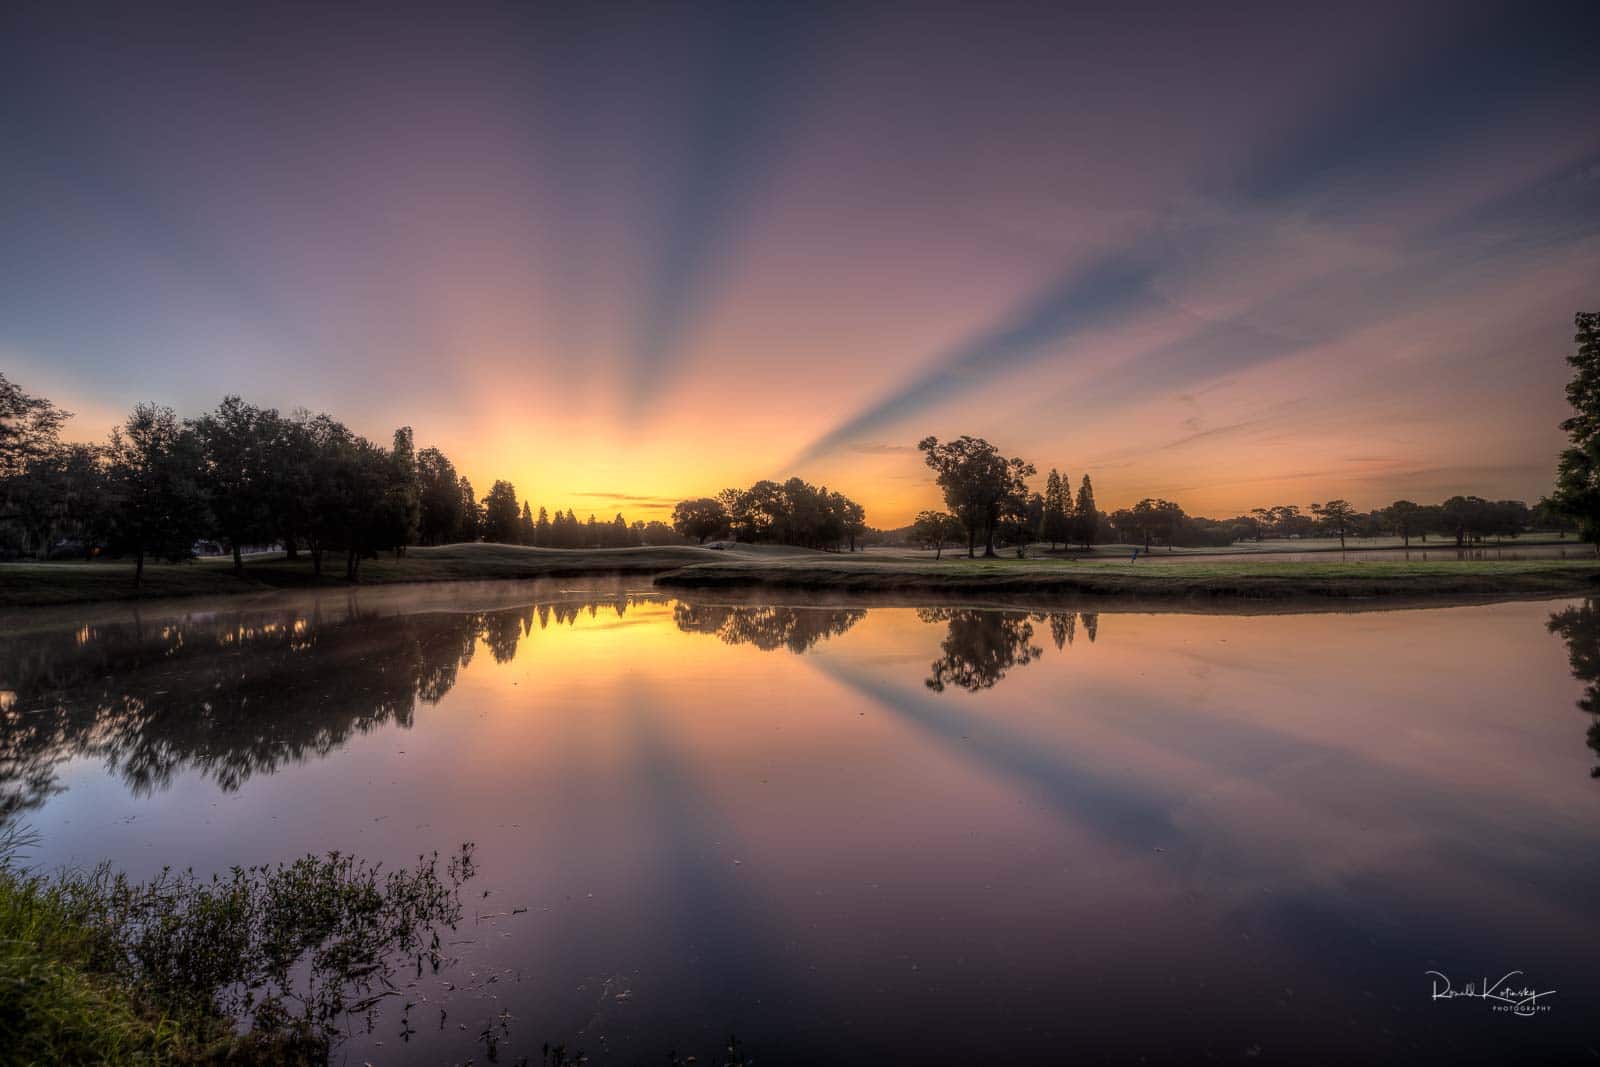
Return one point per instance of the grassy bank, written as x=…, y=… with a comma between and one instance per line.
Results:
x=32, y=584
x=1260, y=580
x=262, y=965
x=28, y=585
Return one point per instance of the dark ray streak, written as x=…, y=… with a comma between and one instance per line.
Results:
x=1112, y=288
x=761, y=56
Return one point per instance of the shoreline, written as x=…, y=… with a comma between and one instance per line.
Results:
x=766, y=568
x=1253, y=580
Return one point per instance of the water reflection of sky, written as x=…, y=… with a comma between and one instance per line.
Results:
x=859, y=832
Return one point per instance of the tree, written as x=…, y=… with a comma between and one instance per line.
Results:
x=541, y=529
x=1085, y=516
x=29, y=428
x=527, y=531
x=439, y=498
x=1466, y=517
x=402, y=499
x=153, y=482
x=979, y=484
x=1401, y=517
x=500, y=514
x=1149, y=518
x=235, y=440
x=935, y=529
x=1577, y=492
x=1336, y=516
x=61, y=493
x=853, y=516
x=1057, y=524
x=361, y=522
x=700, y=518
x=471, y=514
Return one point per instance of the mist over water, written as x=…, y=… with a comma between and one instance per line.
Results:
x=861, y=831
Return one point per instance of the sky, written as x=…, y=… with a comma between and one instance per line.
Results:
x=1232, y=255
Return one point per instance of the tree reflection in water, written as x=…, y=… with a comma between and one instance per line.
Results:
x=981, y=645
x=768, y=628
x=1579, y=627
x=231, y=695
x=241, y=693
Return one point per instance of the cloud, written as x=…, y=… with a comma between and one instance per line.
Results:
x=630, y=498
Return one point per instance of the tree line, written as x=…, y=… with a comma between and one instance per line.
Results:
x=245, y=476
x=1464, y=519
x=989, y=504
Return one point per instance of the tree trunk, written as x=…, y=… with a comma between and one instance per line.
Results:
x=1405, y=535
x=972, y=542
x=988, y=540
x=1147, y=542
x=350, y=565
x=238, y=560
x=938, y=550
x=138, y=568
x=1341, y=540
x=291, y=551
x=316, y=561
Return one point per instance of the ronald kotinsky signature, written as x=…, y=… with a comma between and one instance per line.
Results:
x=1502, y=995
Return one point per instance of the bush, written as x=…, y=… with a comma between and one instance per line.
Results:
x=256, y=966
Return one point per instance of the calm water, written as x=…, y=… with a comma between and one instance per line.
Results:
x=854, y=833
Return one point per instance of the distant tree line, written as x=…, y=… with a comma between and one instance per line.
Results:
x=794, y=512
x=245, y=476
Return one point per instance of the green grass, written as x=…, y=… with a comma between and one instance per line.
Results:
x=24, y=585
x=34, y=584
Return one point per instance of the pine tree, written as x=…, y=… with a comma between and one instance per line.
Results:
x=1086, y=517
x=525, y=529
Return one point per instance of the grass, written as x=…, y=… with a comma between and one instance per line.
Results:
x=34, y=584
x=1264, y=579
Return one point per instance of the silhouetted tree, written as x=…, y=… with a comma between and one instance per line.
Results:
x=61, y=493
x=1577, y=490
x=1085, y=516
x=1336, y=516
x=979, y=484
x=1056, y=526
x=153, y=482
x=439, y=517
x=235, y=441
x=935, y=529
x=471, y=513
x=402, y=499
x=29, y=428
x=500, y=514
x=527, y=529
x=1401, y=517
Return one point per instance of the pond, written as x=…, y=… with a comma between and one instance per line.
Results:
x=868, y=832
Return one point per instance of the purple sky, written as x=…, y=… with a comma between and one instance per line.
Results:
x=1233, y=255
